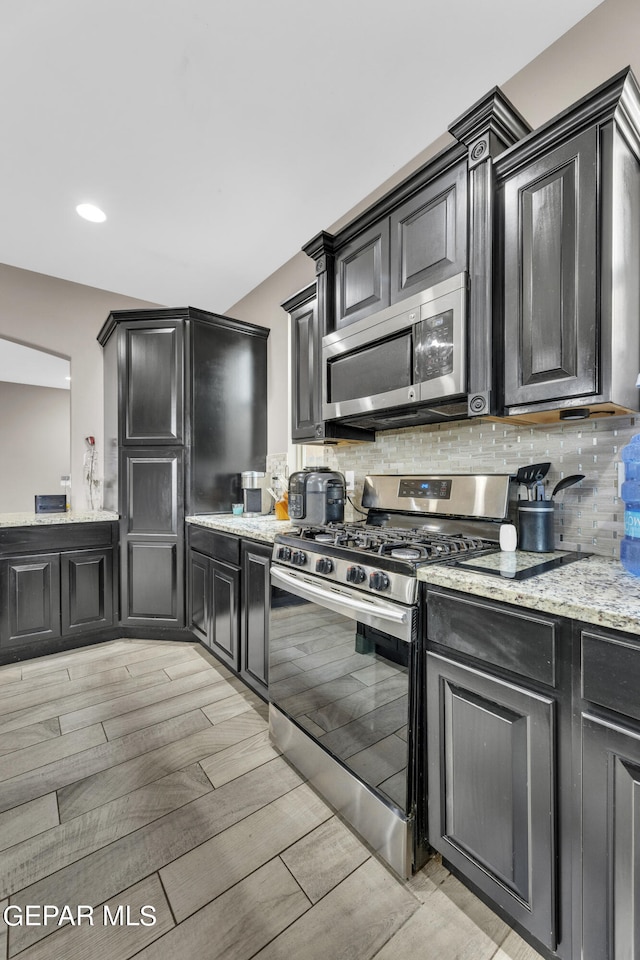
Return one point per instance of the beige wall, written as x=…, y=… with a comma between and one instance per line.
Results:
x=599, y=46
x=35, y=443
x=63, y=318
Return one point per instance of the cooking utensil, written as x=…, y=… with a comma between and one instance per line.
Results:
x=531, y=476
x=532, y=473
x=566, y=482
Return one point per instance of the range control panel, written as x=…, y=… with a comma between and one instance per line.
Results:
x=421, y=488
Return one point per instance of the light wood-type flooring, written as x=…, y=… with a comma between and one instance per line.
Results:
x=138, y=774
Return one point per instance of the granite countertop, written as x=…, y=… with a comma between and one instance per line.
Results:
x=593, y=589
x=262, y=528
x=49, y=519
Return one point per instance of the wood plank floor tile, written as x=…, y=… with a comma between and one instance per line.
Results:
x=3, y=930
x=162, y=659
x=239, y=922
x=239, y=759
x=119, y=658
x=358, y=916
x=26, y=716
x=189, y=881
x=15, y=764
x=60, y=773
x=461, y=928
x=47, y=692
x=41, y=680
x=105, y=941
x=27, y=820
x=240, y=702
x=324, y=858
x=171, y=707
x=124, y=862
x=101, y=787
x=64, y=844
x=9, y=673
x=515, y=948
x=27, y=736
x=73, y=720
x=177, y=670
x=95, y=652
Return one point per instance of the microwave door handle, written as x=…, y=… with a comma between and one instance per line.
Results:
x=313, y=591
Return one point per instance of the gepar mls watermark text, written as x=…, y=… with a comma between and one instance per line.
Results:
x=50, y=915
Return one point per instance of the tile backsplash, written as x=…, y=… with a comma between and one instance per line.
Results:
x=589, y=516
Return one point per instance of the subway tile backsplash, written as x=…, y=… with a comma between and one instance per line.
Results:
x=589, y=517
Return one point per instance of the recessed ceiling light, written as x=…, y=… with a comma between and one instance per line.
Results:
x=91, y=212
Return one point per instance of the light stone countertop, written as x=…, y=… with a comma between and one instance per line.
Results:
x=49, y=519
x=594, y=589
x=262, y=528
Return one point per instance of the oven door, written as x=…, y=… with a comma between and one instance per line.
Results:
x=341, y=666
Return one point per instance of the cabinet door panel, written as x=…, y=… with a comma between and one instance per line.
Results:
x=304, y=376
x=491, y=761
x=610, y=847
x=550, y=276
x=86, y=590
x=199, y=595
x=429, y=235
x=152, y=387
x=30, y=599
x=151, y=588
x=153, y=492
x=255, y=616
x=223, y=625
x=362, y=275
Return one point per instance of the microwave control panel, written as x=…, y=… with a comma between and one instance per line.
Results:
x=434, y=347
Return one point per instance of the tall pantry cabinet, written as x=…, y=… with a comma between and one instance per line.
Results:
x=185, y=414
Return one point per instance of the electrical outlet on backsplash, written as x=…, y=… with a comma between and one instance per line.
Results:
x=588, y=517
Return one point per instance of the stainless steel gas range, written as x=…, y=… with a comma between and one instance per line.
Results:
x=346, y=660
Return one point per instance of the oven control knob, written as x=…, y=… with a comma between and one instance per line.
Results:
x=284, y=553
x=324, y=565
x=356, y=575
x=378, y=580
x=299, y=557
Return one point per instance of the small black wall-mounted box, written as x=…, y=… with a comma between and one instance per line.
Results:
x=51, y=503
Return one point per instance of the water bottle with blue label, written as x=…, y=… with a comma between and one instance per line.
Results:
x=630, y=544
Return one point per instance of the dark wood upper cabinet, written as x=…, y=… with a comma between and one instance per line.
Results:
x=152, y=386
x=551, y=331
x=362, y=275
x=428, y=240
x=569, y=196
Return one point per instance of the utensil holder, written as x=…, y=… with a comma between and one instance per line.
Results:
x=535, y=525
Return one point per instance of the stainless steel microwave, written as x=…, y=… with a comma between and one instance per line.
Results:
x=409, y=356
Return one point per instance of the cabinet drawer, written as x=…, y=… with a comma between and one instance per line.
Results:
x=611, y=673
x=524, y=644
x=219, y=546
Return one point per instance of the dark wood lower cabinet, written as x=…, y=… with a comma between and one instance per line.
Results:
x=30, y=599
x=214, y=600
x=228, y=592
x=610, y=845
x=491, y=789
x=254, y=660
x=46, y=598
x=610, y=731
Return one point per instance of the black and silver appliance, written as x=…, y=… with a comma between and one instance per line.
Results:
x=316, y=495
x=404, y=364
x=256, y=499
x=346, y=664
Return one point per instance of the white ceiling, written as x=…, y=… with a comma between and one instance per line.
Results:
x=220, y=136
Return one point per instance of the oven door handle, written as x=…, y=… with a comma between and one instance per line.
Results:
x=338, y=600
